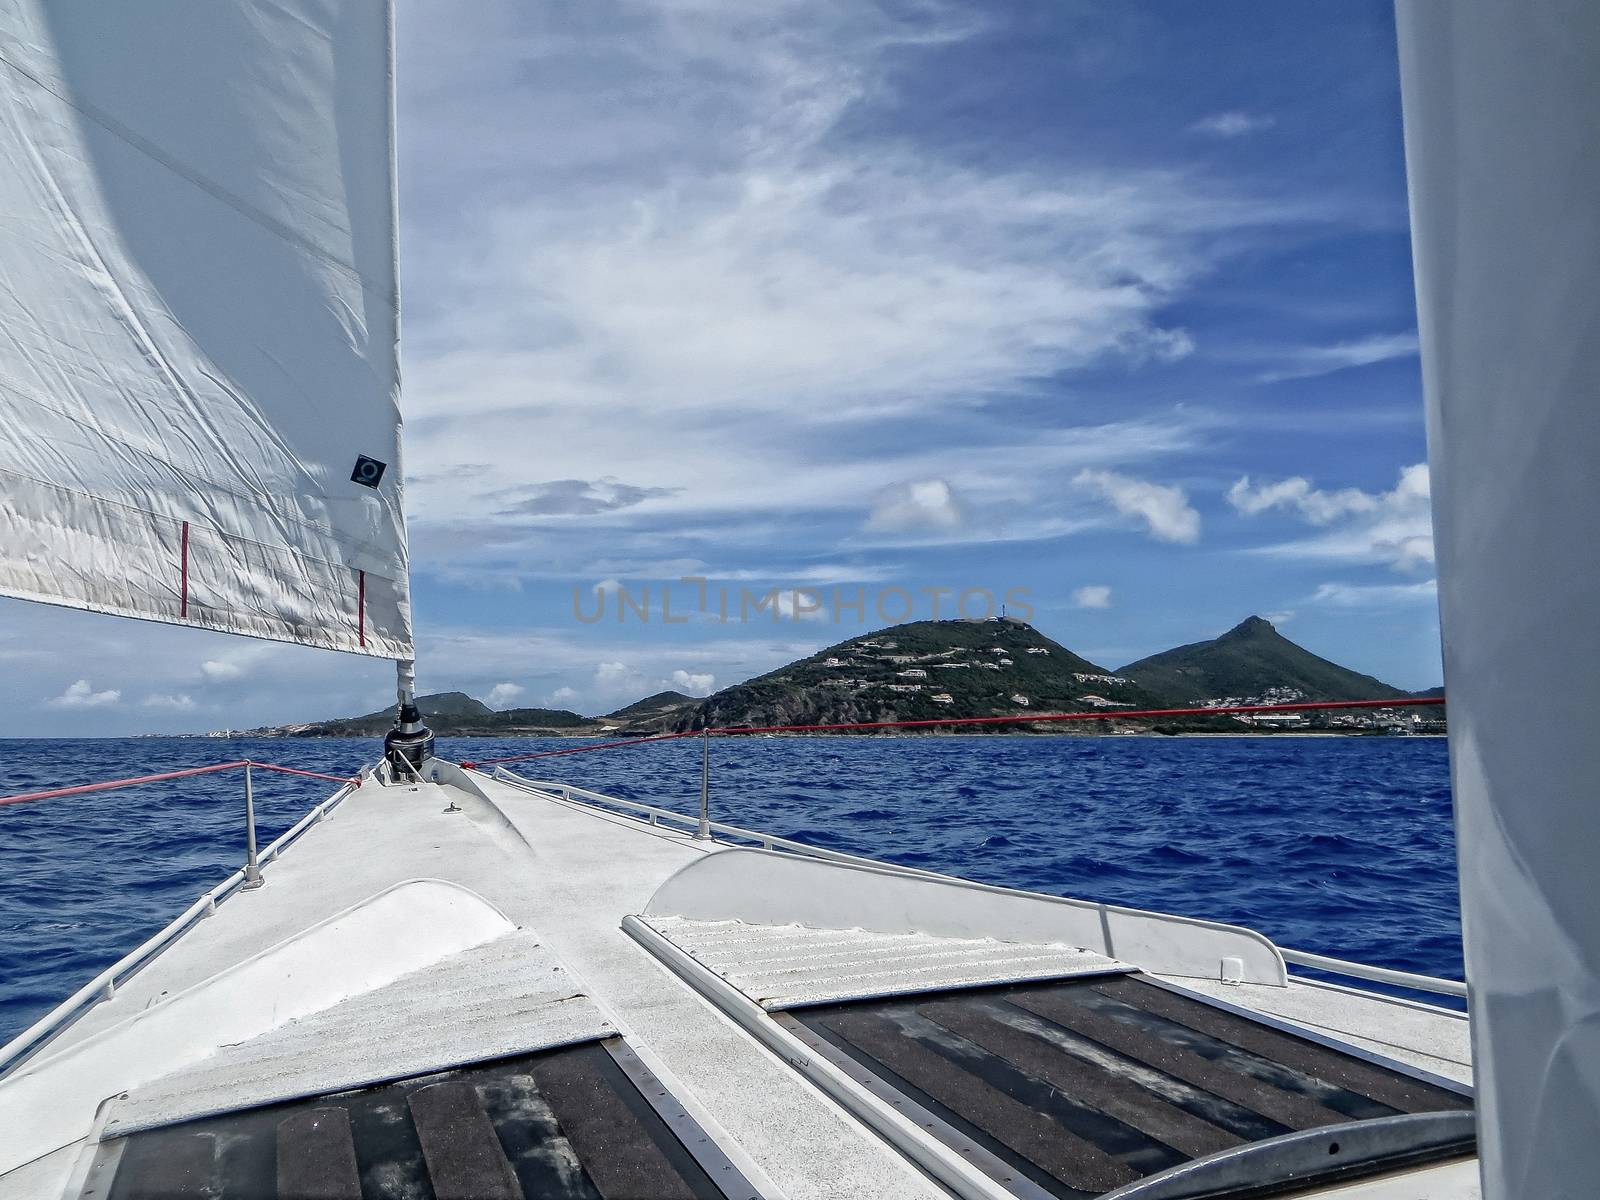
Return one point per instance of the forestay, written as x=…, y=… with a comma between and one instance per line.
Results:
x=198, y=316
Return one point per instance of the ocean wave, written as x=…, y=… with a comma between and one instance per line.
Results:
x=1290, y=836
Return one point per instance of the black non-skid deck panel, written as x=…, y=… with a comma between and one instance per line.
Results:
x=1089, y=1086
x=565, y=1124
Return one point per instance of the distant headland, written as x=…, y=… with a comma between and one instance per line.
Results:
x=928, y=670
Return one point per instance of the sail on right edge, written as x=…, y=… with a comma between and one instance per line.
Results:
x=199, y=386
x=1502, y=104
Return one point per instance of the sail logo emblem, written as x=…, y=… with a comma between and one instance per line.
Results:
x=368, y=472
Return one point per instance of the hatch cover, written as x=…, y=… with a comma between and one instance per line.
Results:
x=1122, y=1087
x=585, y=1122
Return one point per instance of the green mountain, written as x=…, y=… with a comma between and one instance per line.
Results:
x=439, y=704
x=448, y=713
x=651, y=705
x=653, y=714
x=456, y=714
x=935, y=669
x=1247, y=662
x=926, y=670
x=541, y=718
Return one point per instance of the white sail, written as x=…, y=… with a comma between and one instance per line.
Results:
x=1502, y=105
x=198, y=316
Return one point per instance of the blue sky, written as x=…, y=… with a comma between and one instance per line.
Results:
x=1109, y=303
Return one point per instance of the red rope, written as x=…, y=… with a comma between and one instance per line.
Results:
x=108, y=785
x=638, y=741
x=1096, y=715
x=836, y=727
x=261, y=766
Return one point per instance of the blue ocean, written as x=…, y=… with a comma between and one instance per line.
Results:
x=1341, y=846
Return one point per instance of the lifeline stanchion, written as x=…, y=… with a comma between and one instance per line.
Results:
x=252, y=869
x=704, y=832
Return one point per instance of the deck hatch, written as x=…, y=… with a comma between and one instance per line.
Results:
x=575, y=1123
x=1116, y=1086
x=793, y=966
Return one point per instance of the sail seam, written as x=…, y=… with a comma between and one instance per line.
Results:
x=289, y=552
x=307, y=576
x=126, y=312
x=182, y=440
x=243, y=497
x=237, y=203
x=276, y=631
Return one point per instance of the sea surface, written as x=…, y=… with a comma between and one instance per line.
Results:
x=1341, y=846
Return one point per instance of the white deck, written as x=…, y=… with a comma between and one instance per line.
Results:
x=508, y=996
x=1434, y=1039
x=785, y=966
x=572, y=874
x=565, y=875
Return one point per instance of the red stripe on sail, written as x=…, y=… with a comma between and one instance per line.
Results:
x=361, y=606
x=183, y=584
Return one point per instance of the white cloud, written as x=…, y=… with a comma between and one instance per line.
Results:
x=1375, y=595
x=618, y=683
x=1092, y=595
x=804, y=604
x=613, y=674
x=731, y=311
x=1296, y=492
x=817, y=574
x=285, y=682
x=590, y=676
x=1232, y=124
x=575, y=497
x=710, y=279
x=1393, y=527
x=82, y=695
x=1310, y=361
x=923, y=504
x=502, y=694
x=583, y=661
x=174, y=702
x=694, y=684
x=1165, y=510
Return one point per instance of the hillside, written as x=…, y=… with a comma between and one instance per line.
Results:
x=446, y=713
x=456, y=714
x=1248, y=662
x=928, y=670
x=653, y=714
x=925, y=670
x=439, y=704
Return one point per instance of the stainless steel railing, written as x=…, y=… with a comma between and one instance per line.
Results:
x=704, y=827
x=1355, y=970
x=655, y=815
x=104, y=985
